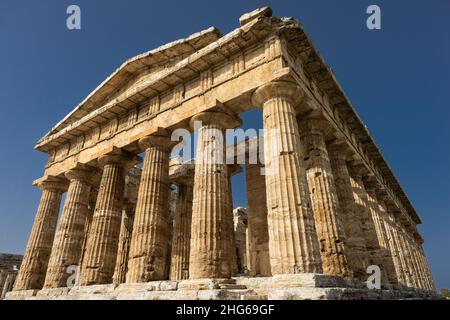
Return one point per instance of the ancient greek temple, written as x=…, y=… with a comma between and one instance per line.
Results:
x=324, y=211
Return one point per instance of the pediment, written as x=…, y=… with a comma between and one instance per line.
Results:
x=136, y=70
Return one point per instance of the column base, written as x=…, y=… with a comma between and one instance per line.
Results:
x=306, y=286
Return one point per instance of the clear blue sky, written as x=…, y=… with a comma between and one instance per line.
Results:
x=397, y=78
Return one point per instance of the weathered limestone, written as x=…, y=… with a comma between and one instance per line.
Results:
x=323, y=203
x=9, y=266
x=324, y=198
x=148, y=250
x=368, y=226
x=293, y=243
x=210, y=241
x=420, y=271
x=413, y=262
x=132, y=179
x=126, y=229
x=8, y=284
x=34, y=265
x=402, y=261
x=179, y=266
x=67, y=246
x=392, y=243
x=354, y=241
x=103, y=239
x=258, y=259
x=87, y=224
x=429, y=276
x=380, y=229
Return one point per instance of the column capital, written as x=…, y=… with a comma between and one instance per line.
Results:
x=52, y=183
x=218, y=117
x=120, y=157
x=339, y=150
x=357, y=169
x=314, y=125
x=371, y=185
x=160, y=139
x=84, y=173
x=278, y=89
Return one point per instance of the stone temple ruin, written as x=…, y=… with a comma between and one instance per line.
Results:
x=330, y=209
x=9, y=265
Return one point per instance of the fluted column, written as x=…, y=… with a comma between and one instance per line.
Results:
x=179, y=266
x=3, y=275
x=405, y=254
x=148, y=250
x=126, y=229
x=402, y=253
x=293, y=243
x=412, y=258
x=368, y=226
x=380, y=229
x=34, y=264
x=211, y=211
x=421, y=275
x=67, y=247
x=393, y=244
x=8, y=284
x=324, y=198
x=258, y=259
x=429, y=275
x=87, y=224
x=103, y=239
x=355, y=242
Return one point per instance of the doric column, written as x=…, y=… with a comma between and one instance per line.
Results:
x=8, y=284
x=413, y=260
x=132, y=179
x=422, y=261
x=355, y=243
x=103, y=239
x=293, y=243
x=258, y=259
x=380, y=229
x=126, y=229
x=148, y=250
x=87, y=224
x=67, y=247
x=179, y=265
x=211, y=210
x=398, y=239
x=393, y=245
x=368, y=226
x=34, y=264
x=3, y=275
x=429, y=275
x=406, y=254
x=324, y=198
x=415, y=252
